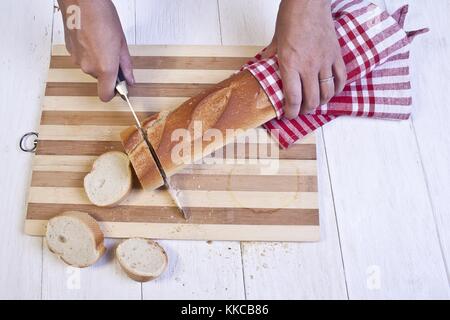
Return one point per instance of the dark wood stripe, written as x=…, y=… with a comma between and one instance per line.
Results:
x=99, y=118
x=263, y=151
x=95, y=148
x=209, y=182
x=141, y=62
x=39, y=211
x=89, y=89
x=74, y=148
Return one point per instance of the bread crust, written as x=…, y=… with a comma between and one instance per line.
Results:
x=237, y=103
x=139, y=277
x=145, y=166
x=93, y=226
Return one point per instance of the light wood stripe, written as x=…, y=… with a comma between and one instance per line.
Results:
x=112, y=133
x=91, y=118
x=208, y=199
x=171, y=214
x=80, y=133
x=180, y=51
x=140, y=104
x=139, y=89
x=63, y=163
x=96, y=148
x=202, y=182
x=262, y=167
x=197, y=232
x=147, y=76
x=161, y=62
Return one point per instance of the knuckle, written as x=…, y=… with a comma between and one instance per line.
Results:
x=106, y=69
x=311, y=103
x=86, y=67
x=287, y=56
x=294, y=99
x=106, y=72
x=309, y=68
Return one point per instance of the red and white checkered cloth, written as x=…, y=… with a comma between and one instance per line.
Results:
x=376, y=51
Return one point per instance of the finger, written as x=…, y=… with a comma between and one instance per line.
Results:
x=340, y=75
x=311, y=93
x=126, y=64
x=292, y=88
x=106, y=84
x=270, y=51
x=326, y=87
x=75, y=57
x=68, y=42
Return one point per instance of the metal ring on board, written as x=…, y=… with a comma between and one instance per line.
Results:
x=25, y=138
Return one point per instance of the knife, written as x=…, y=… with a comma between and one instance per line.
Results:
x=122, y=90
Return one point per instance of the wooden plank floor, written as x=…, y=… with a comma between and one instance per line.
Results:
x=384, y=191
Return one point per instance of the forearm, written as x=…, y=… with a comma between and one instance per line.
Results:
x=89, y=10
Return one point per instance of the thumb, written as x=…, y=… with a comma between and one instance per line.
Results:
x=105, y=86
x=126, y=64
x=270, y=51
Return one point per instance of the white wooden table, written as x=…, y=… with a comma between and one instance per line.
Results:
x=385, y=186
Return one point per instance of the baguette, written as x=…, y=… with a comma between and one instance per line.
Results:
x=237, y=103
x=141, y=158
x=76, y=238
x=142, y=260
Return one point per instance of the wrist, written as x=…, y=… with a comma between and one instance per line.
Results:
x=307, y=3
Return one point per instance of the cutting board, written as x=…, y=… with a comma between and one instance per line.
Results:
x=236, y=194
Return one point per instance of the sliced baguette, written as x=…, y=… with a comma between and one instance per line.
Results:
x=141, y=158
x=110, y=180
x=76, y=238
x=237, y=103
x=141, y=259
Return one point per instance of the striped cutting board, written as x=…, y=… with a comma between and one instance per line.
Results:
x=236, y=194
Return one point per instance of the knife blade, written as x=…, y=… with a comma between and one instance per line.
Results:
x=122, y=90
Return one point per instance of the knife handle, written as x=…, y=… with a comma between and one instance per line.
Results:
x=120, y=76
x=121, y=84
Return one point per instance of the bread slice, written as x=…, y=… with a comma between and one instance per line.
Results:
x=141, y=158
x=76, y=238
x=141, y=259
x=110, y=180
